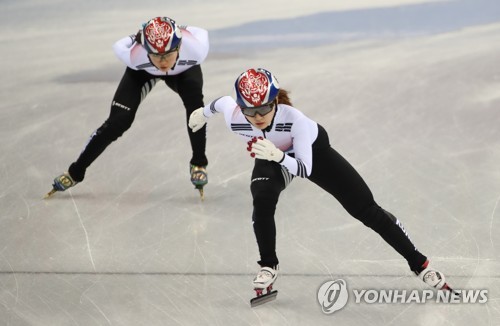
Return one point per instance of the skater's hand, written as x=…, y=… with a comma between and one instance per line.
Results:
x=197, y=120
x=265, y=150
x=138, y=37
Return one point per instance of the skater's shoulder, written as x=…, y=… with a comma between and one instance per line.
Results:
x=200, y=34
x=289, y=112
x=194, y=47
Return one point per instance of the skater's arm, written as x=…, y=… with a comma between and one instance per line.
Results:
x=122, y=49
x=224, y=104
x=200, y=116
x=199, y=34
x=194, y=44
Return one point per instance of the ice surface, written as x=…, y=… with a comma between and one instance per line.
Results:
x=413, y=106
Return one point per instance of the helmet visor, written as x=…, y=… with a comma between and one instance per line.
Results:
x=262, y=110
x=164, y=54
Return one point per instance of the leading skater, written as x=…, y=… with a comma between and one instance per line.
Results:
x=285, y=144
x=160, y=51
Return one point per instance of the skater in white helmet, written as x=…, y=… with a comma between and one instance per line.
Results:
x=287, y=144
x=161, y=51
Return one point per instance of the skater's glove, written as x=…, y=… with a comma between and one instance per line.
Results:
x=197, y=120
x=265, y=150
x=138, y=37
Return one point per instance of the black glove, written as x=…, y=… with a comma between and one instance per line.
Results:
x=138, y=37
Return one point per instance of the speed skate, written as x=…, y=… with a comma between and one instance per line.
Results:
x=264, y=281
x=434, y=278
x=199, y=178
x=61, y=183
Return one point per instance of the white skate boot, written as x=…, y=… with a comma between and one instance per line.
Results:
x=434, y=278
x=264, y=281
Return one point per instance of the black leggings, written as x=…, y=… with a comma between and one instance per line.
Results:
x=335, y=175
x=133, y=88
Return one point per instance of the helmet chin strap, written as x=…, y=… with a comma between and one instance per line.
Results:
x=268, y=128
x=176, y=59
x=178, y=54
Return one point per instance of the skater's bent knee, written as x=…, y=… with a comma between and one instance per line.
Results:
x=114, y=130
x=375, y=217
x=264, y=187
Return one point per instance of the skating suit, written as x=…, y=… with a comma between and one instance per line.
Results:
x=308, y=154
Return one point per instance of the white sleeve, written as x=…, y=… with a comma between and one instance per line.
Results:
x=196, y=40
x=199, y=33
x=301, y=165
x=122, y=49
x=222, y=104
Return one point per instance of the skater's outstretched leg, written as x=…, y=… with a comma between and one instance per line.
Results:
x=337, y=176
x=98, y=142
x=131, y=90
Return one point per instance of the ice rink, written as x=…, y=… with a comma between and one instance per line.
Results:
x=409, y=92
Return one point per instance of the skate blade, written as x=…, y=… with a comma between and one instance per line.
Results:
x=50, y=193
x=202, y=193
x=257, y=301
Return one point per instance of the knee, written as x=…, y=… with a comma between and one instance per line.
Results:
x=114, y=129
x=265, y=197
x=262, y=188
x=375, y=217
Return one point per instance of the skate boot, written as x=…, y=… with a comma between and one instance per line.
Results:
x=264, y=281
x=433, y=278
x=61, y=183
x=199, y=178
